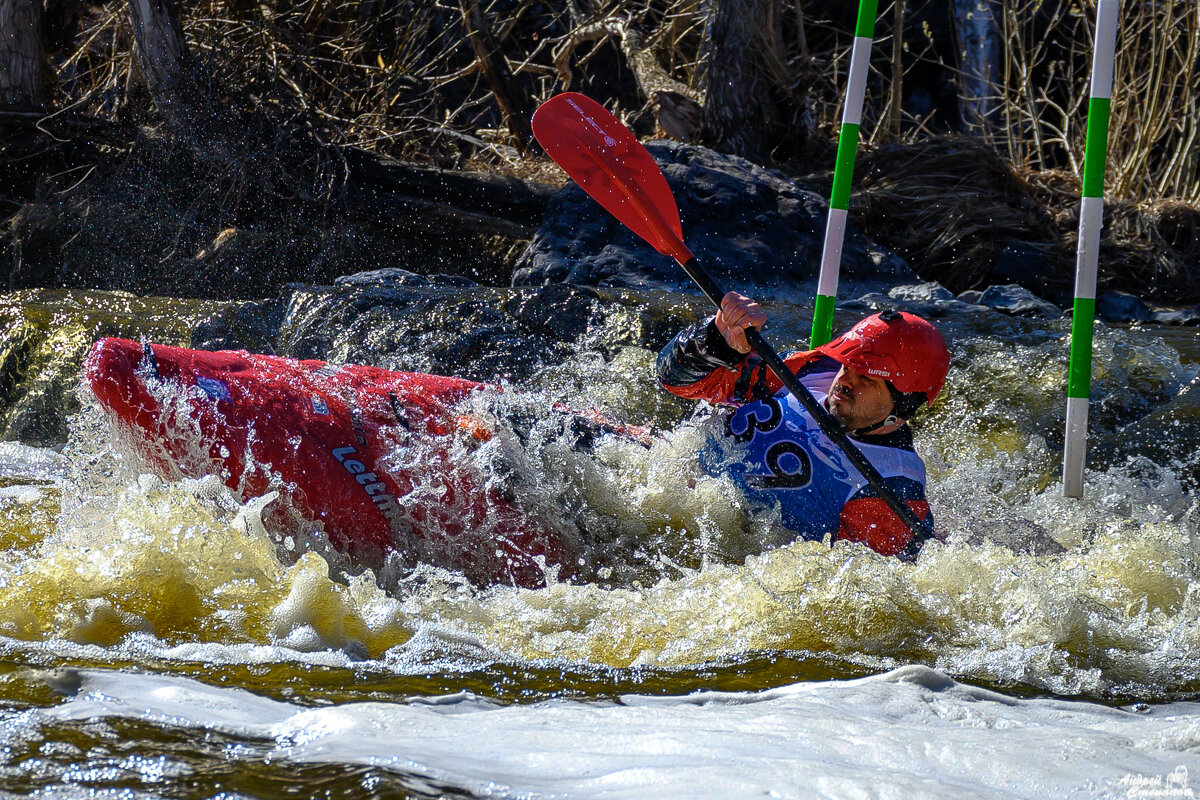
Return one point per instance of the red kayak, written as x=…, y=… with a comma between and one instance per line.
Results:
x=361, y=450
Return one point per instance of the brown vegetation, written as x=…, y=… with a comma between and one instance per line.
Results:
x=300, y=98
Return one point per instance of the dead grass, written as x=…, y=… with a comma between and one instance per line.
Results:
x=400, y=78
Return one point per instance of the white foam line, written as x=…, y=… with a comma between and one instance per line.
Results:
x=911, y=732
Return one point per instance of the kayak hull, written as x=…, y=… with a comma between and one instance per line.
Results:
x=365, y=452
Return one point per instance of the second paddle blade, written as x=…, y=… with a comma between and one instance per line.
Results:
x=607, y=160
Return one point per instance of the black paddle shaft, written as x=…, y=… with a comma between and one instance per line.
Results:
x=830, y=426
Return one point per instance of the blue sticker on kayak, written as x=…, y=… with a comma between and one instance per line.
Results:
x=216, y=389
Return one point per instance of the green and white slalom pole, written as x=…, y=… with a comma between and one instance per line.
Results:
x=1091, y=217
x=843, y=172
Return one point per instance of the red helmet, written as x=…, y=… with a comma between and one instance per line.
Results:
x=897, y=346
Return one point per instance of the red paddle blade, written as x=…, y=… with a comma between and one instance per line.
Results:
x=607, y=160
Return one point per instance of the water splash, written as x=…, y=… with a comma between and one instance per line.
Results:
x=186, y=563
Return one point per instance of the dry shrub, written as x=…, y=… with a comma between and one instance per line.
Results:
x=961, y=215
x=1154, y=131
x=950, y=207
x=399, y=77
x=1179, y=226
x=1134, y=257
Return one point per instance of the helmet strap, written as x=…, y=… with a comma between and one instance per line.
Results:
x=890, y=419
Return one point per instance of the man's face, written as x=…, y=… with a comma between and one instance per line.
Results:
x=858, y=401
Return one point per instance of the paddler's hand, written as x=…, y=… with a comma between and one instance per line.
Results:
x=737, y=313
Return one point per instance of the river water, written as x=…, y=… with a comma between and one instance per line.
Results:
x=157, y=641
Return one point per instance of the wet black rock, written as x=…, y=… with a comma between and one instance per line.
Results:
x=1016, y=300
x=933, y=300
x=752, y=229
x=402, y=321
x=1183, y=316
x=1018, y=534
x=252, y=325
x=1121, y=307
x=929, y=300
x=394, y=276
x=921, y=291
x=389, y=276
x=1028, y=265
x=1165, y=432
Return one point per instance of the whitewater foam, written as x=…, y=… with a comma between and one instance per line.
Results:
x=910, y=732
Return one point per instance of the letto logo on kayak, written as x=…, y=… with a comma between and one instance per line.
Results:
x=371, y=484
x=324, y=433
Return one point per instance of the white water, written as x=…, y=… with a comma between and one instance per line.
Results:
x=105, y=566
x=912, y=732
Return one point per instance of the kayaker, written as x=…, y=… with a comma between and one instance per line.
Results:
x=872, y=379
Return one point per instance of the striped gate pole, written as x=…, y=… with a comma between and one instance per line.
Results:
x=1091, y=217
x=843, y=172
